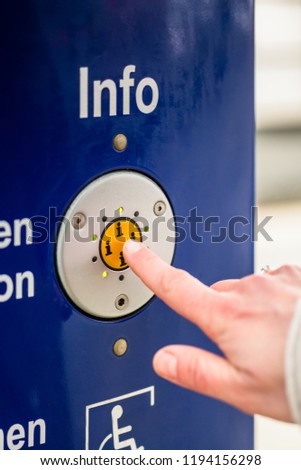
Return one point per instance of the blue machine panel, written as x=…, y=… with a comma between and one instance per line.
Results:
x=62, y=387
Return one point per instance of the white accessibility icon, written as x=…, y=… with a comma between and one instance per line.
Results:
x=130, y=443
x=116, y=413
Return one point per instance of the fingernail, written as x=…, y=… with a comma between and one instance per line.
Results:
x=166, y=364
x=132, y=247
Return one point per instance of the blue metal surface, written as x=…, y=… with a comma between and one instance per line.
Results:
x=198, y=144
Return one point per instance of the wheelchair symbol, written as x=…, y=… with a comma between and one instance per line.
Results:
x=119, y=416
x=117, y=432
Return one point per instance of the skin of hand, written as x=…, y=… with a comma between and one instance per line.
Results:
x=248, y=319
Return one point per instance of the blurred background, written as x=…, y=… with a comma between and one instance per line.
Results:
x=278, y=160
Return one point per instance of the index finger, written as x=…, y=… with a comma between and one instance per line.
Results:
x=177, y=288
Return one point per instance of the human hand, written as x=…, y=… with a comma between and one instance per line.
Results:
x=248, y=319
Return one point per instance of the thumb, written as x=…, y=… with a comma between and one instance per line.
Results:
x=199, y=370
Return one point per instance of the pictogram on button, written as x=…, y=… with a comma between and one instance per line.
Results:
x=112, y=240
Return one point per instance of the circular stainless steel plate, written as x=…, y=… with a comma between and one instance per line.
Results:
x=90, y=284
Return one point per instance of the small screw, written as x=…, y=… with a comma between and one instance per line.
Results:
x=120, y=347
x=159, y=208
x=136, y=214
x=121, y=301
x=120, y=142
x=78, y=221
x=94, y=259
x=121, y=278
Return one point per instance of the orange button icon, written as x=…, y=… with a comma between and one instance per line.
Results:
x=112, y=240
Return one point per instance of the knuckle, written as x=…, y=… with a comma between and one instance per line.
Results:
x=287, y=273
x=255, y=281
x=258, y=279
x=290, y=269
x=232, y=307
x=284, y=269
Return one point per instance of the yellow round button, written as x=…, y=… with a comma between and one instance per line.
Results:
x=112, y=240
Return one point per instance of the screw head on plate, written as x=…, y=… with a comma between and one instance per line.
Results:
x=78, y=221
x=120, y=142
x=120, y=347
x=121, y=301
x=159, y=208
